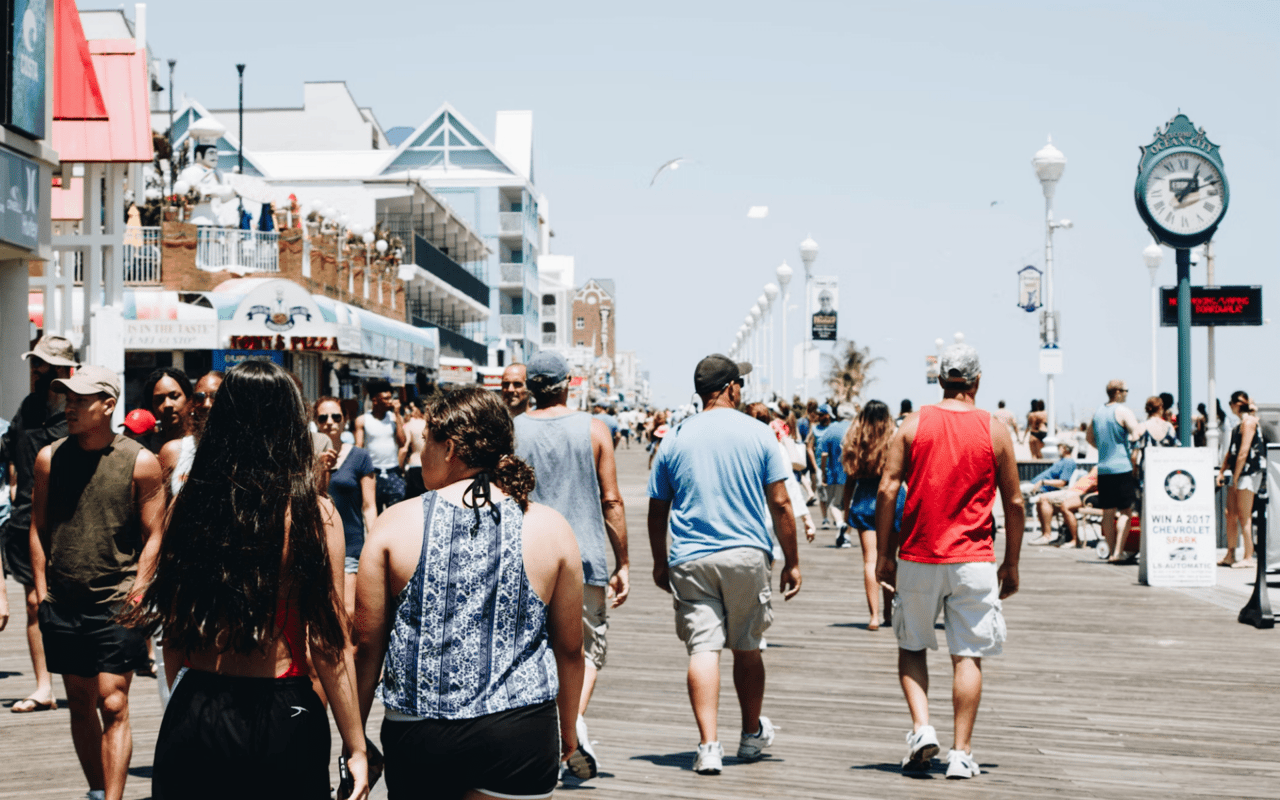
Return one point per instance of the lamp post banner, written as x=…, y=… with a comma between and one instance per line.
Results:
x=1179, y=521
x=824, y=296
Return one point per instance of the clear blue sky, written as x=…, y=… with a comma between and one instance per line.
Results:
x=884, y=130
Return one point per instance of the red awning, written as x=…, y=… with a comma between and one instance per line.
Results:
x=125, y=136
x=76, y=94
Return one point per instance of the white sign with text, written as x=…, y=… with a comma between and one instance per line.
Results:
x=1179, y=520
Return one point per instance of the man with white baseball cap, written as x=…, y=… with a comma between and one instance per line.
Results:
x=39, y=421
x=96, y=517
x=953, y=456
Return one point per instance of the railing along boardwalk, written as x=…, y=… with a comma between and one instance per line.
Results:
x=1107, y=689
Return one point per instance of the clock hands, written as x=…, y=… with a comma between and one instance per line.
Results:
x=1193, y=185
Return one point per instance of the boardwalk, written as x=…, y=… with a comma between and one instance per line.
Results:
x=1108, y=689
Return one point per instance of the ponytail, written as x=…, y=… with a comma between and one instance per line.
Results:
x=516, y=478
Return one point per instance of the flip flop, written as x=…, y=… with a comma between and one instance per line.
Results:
x=30, y=705
x=1244, y=563
x=1225, y=563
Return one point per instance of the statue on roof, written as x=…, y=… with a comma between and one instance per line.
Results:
x=204, y=182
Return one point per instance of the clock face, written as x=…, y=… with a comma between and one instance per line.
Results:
x=1184, y=193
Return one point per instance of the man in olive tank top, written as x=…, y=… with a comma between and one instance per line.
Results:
x=572, y=456
x=95, y=532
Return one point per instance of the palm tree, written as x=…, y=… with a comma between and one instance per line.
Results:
x=848, y=376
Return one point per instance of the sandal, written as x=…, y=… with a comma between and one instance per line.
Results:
x=29, y=705
x=1226, y=562
x=1244, y=563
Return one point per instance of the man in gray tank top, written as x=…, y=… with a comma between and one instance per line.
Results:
x=96, y=518
x=572, y=456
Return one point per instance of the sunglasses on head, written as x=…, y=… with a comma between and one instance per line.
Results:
x=200, y=397
x=327, y=417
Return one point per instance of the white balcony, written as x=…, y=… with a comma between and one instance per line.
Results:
x=511, y=223
x=141, y=257
x=511, y=276
x=548, y=340
x=237, y=250
x=511, y=325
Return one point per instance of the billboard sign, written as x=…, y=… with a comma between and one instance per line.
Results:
x=19, y=200
x=27, y=34
x=1179, y=521
x=825, y=302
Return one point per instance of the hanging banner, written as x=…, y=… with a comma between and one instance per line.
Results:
x=1029, y=283
x=1179, y=534
x=825, y=300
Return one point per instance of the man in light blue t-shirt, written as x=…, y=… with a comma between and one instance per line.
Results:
x=828, y=450
x=717, y=477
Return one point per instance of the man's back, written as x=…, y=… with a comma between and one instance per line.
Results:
x=713, y=467
x=559, y=450
x=828, y=445
x=1112, y=440
x=951, y=487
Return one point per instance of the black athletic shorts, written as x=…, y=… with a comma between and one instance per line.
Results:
x=509, y=754
x=413, y=483
x=224, y=736
x=1117, y=491
x=86, y=641
x=17, y=554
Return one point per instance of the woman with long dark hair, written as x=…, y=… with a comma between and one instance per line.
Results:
x=1242, y=472
x=249, y=577
x=863, y=452
x=473, y=596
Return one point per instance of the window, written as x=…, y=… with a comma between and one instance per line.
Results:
x=580, y=323
x=582, y=344
x=547, y=299
x=548, y=327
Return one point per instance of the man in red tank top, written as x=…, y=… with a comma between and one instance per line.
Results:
x=952, y=457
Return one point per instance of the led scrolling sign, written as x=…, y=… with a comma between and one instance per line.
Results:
x=1214, y=305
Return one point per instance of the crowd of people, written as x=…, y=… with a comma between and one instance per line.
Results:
x=275, y=562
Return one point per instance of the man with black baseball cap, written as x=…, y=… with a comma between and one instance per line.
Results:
x=40, y=420
x=96, y=516
x=717, y=476
x=572, y=454
x=953, y=457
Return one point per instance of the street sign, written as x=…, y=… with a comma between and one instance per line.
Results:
x=1051, y=361
x=1214, y=305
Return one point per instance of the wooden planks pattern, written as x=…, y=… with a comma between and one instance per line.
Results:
x=1107, y=689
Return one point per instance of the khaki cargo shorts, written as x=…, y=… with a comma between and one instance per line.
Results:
x=723, y=600
x=595, y=625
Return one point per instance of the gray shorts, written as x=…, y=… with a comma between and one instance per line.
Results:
x=831, y=493
x=595, y=625
x=351, y=565
x=968, y=594
x=723, y=600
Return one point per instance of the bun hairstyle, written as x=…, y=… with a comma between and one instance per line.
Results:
x=483, y=437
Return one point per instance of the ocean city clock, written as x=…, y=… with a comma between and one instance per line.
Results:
x=1181, y=191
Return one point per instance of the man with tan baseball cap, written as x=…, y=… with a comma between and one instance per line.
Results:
x=39, y=421
x=96, y=517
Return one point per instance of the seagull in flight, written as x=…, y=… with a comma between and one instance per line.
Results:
x=673, y=165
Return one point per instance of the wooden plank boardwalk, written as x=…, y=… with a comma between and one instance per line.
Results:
x=1107, y=689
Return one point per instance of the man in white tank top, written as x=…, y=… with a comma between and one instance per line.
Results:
x=381, y=432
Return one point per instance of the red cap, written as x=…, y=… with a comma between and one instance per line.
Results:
x=140, y=421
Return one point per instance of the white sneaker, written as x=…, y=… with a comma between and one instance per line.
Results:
x=922, y=746
x=751, y=746
x=961, y=765
x=582, y=763
x=710, y=759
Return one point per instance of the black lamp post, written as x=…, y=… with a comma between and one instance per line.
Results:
x=173, y=62
x=240, y=147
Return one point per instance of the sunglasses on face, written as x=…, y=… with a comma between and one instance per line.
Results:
x=327, y=417
x=201, y=397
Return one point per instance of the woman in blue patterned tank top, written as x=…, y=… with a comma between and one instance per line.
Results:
x=473, y=598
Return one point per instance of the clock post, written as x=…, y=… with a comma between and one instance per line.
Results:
x=1182, y=195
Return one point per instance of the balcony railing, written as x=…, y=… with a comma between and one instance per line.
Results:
x=513, y=275
x=548, y=340
x=511, y=223
x=237, y=250
x=141, y=257
x=511, y=325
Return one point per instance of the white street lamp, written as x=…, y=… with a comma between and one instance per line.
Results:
x=771, y=292
x=763, y=367
x=1049, y=163
x=808, y=254
x=784, y=278
x=1152, y=256
x=757, y=336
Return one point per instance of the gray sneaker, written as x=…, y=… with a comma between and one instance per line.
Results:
x=751, y=746
x=922, y=746
x=582, y=763
x=961, y=765
x=710, y=759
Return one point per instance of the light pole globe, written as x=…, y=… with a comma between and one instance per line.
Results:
x=1049, y=163
x=808, y=254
